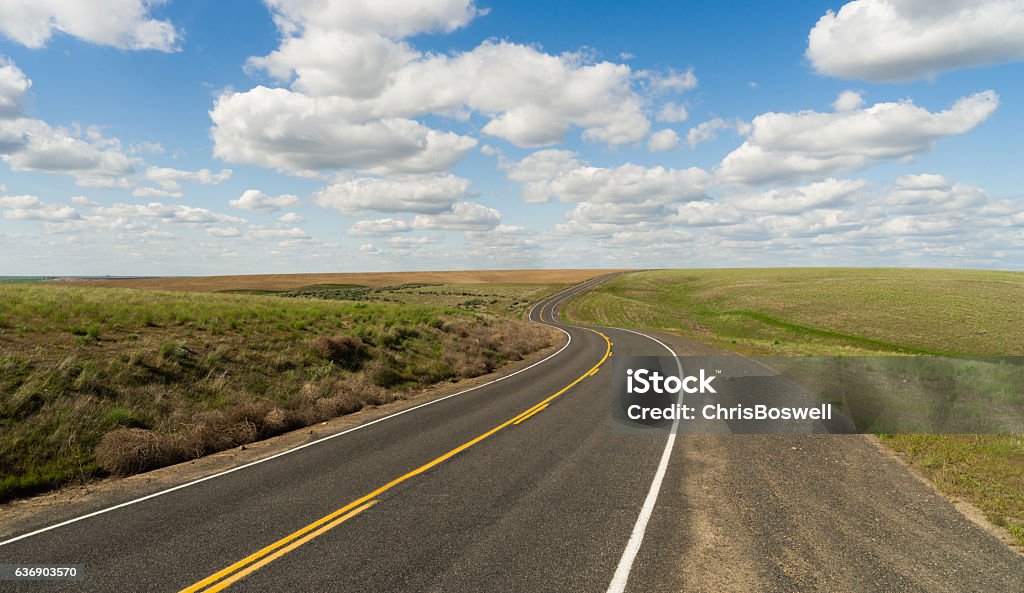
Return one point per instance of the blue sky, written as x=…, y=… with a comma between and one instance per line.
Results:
x=194, y=137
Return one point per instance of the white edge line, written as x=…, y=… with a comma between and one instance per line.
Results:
x=318, y=441
x=636, y=538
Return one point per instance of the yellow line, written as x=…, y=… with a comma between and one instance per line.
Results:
x=530, y=415
x=258, y=565
x=269, y=550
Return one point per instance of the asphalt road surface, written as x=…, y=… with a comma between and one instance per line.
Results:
x=523, y=485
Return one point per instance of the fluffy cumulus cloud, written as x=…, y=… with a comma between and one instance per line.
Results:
x=898, y=40
x=709, y=130
x=706, y=214
x=463, y=216
x=606, y=198
x=663, y=140
x=27, y=207
x=830, y=192
x=431, y=194
x=673, y=113
x=170, y=178
x=848, y=101
x=34, y=145
x=291, y=218
x=356, y=86
x=505, y=243
x=174, y=213
x=257, y=201
x=929, y=193
x=558, y=173
x=380, y=226
x=786, y=146
x=124, y=24
x=169, y=181
x=282, y=129
x=14, y=87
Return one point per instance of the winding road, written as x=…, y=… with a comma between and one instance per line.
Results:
x=520, y=484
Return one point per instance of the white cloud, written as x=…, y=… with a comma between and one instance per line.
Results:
x=898, y=40
x=146, y=146
x=382, y=226
x=49, y=213
x=32, y=208
x=928, y=193
x=83, y=201
x=357, y=87
x=124, y=24
x=673, y=113
x=532, y=98
x=785, y=146
x=663, y=140
x=536, y=170
x=351, y=52
x=421, y=194
x=291, y=218
x=394, y=18
x=171, y=179
x=829, y=193
x=155, y=192
x=557, y=173
x=174, y=213
x=14, y=87
x=504, y=242
x=709, y=130
x=411, y=241
x=706, y=214
x=34, y=145
x=289, y=131
x=848, y=101
x=464, y=216
x=254, y=199
x=21, y=202
x=225, y=232
x=278, y=233
x=612, y=216
x=671, y=81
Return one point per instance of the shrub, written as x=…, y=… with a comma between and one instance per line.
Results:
x=348, y=352
x=125, y=451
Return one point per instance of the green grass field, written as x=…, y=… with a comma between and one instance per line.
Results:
x=854, y=312
x=101, y=380
x=509, y=300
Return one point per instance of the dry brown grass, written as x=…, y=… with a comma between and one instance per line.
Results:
x=295, y=281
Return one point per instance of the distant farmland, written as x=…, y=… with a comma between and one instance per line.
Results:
x=271, y=282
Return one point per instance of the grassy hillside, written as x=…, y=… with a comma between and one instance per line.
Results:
x=821, y=310
x=97, y=380
x=851, y=312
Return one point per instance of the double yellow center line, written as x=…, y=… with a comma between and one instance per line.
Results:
x=226, y=577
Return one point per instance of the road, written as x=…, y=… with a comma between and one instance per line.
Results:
x=522, y=485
